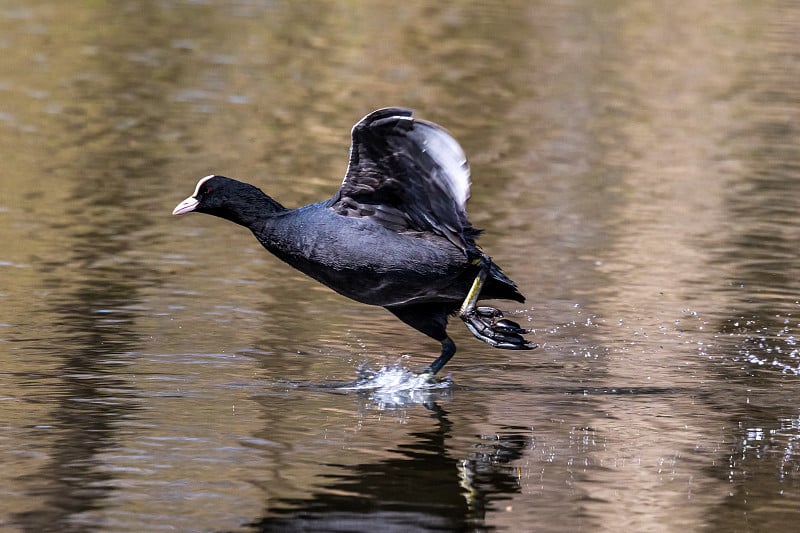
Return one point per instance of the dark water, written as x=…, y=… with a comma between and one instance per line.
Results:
x=636, y=168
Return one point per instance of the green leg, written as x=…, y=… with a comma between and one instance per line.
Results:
x=474, y=291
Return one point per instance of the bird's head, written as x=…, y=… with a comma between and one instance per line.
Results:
x=209, y=196
x=227, y=198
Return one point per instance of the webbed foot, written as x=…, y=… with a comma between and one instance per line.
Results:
x=488, y=325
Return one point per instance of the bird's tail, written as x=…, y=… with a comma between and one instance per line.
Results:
x=499, y=286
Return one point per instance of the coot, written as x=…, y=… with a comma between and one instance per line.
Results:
x=395, y=234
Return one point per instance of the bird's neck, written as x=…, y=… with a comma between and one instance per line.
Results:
x=251, y=207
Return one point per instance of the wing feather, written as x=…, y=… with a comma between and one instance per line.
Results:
x=408, y=175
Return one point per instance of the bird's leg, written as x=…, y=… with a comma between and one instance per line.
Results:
x=430, y=319
x=487, y=323
x=472, y=296
x=448, y=350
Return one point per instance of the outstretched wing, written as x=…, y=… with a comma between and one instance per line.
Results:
x=408, y=175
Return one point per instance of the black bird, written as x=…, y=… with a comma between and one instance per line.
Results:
x=395, y=234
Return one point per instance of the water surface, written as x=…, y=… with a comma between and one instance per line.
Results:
x=636, y=170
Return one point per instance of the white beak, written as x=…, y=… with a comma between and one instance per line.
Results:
x=185, y=206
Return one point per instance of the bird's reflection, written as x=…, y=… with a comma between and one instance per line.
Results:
x=421, y=487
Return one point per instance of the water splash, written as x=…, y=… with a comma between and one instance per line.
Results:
x=772, y=343
x=396, y=386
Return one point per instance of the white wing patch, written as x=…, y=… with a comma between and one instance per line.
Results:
x=447, y=153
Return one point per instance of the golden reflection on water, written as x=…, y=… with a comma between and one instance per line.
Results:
x=634, y=165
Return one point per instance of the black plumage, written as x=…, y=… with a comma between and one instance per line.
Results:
x=395, y=234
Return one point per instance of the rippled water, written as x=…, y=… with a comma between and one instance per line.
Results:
x=636, y=170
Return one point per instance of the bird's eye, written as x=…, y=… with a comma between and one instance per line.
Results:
x=207, y=191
